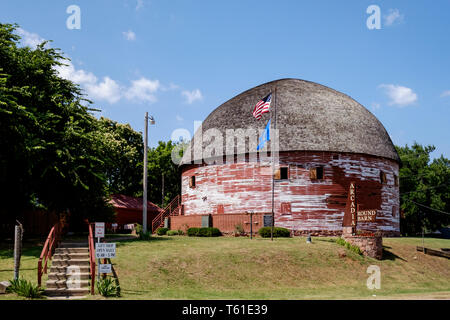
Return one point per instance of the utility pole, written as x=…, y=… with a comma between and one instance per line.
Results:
x=162, y=191
x=144, y=195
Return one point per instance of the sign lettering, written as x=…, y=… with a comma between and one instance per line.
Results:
x=99, y=229
x=367, y=215
x=105, y=250
x=105, y=268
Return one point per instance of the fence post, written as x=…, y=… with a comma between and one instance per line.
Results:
x=17, y=248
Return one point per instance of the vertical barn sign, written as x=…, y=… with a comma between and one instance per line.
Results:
x=350, y=216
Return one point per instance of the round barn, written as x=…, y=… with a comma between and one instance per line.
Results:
x=324, y=140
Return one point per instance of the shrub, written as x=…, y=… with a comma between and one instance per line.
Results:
x=193, y=232
x=349, y=246
x=204, y=232
x=108, y=288
x=145, y=235
x=278, y=232
x=239, y=229
x=25, y=288
x=340, y=241
x=175, y=233
x=161, y=231
x=139, y=228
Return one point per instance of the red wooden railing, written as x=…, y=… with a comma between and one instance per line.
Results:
x=170, y=210
x=52, y=241
x=92, y=257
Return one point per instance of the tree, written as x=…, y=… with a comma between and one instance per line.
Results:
x=51, y=148
x=424, y=189
x=123, y=152
x=160, y=163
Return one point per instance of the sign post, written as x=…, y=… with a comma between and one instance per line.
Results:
x=99, y=233
x=103, y=250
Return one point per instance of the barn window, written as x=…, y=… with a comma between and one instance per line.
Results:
x=316, y=173
x=281, y=173
x=383, y=176
x=284, y=173
x=336, y=157
x=192, y=182
x=396, y=180
x=394, y=211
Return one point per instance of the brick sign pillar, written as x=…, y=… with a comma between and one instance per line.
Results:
x=370, y=245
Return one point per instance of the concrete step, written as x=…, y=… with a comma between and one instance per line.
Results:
x=67, y=284
x=70, y=256
x=82, y=244
x=71, y=262
x=70, y=269
x=65, y=276
x=61, y=292
x=71, y=250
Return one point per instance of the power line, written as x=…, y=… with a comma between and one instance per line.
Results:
x=444, y=184
x=422, y=205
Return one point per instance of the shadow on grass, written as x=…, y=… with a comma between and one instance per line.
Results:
x=388, y=255
x=136, y=292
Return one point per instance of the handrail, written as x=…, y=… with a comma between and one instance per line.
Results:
x=48, y=249
x=170, y=208
x=91, y=257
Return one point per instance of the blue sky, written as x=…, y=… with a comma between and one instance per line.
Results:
x=180, y=59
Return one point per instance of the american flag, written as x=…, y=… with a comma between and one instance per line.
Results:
x=262, y=106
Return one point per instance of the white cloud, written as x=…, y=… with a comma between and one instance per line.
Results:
x=399, y=95
x=30, y=39
x=107, y=90
x=143, y=90
x=446, y=93
x=129, y=35
x=179, y=118
x=393, y=17
x=80, y=76
x=192, y=96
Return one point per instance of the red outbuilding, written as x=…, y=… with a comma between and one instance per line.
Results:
x=129, y=210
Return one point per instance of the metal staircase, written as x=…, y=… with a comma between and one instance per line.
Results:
x=173, y=209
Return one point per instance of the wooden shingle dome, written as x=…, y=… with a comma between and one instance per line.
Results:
x=310, y=117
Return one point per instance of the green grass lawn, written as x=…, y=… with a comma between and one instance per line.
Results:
x=181, y=267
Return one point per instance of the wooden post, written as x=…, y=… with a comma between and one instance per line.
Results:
x=17, y=248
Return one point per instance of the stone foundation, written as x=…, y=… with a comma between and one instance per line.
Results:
x=370, y=246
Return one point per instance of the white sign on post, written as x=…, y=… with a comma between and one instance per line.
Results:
x=105, y=250
x=105, y=268
x=99, y=229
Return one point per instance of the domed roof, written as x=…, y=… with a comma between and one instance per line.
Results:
x=310, y=117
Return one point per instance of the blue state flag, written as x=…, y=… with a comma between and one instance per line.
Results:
x=264, y=137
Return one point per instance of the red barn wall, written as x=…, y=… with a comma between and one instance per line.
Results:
x=301, y=204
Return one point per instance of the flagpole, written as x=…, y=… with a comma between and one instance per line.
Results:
x=273, y=162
